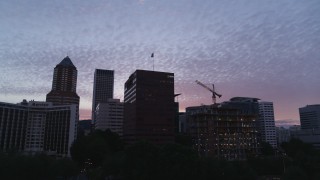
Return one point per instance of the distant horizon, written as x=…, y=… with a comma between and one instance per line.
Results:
x=286, y=123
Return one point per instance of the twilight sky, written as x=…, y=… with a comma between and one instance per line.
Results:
x=269, y=49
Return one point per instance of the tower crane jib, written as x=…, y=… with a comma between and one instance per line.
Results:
x=214, y=93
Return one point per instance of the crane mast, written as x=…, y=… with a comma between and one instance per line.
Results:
x=214, y=93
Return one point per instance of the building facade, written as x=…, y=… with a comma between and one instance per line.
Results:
x=310, y=136
x=227, y=130
x=182, y=122
x=13, y=127
x=102, y=88
x=36, y=127
x=266, y=123
x=60, y=129
x=109, y=115
x=37, y=112
x=310, y=117
x=283, y=135
x=64, y=84
x=149, y=107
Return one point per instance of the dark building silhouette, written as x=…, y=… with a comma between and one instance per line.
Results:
x=102, y=88
x=64, y=84
x=149, y=107
x=310, y=125
x=84, y=127
x=310, y=117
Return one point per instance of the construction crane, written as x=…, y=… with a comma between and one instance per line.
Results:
x=214, y=93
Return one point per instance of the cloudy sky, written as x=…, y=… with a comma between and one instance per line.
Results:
x=269, y=49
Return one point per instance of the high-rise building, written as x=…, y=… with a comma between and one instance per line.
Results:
x=13, y=126
x=37, y=112
x=60, y=129
x=34, y=127
x=109, y=115
x=102, y=88
x=227, y=130
x=149, y=107
x=266, y=123
x=64, y=84
x=310, y=117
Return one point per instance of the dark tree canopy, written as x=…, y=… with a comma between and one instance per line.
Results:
x=93, y=149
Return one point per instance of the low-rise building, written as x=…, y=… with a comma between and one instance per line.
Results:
x=109, y=115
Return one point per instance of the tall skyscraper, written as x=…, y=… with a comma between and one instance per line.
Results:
x=60, y=121
x=266, y=123
x=102, y=88
x=64, y=84
x=149, y=108
x=310, y=117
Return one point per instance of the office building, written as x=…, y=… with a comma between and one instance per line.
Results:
x=149, y=107
x=310, y=117
x=13, y=126
x=266, y=124
x=37, y=112
x=37, y=127
x=60, y=129
x=227, y=130
x=109, y=115
x=64, y=84
x=102, y=88
x=310, y=136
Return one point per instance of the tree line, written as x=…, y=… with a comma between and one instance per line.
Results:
x=103, y=155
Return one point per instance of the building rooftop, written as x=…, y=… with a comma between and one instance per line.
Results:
x=244, y=99
x=66, y=62
x=312, y=105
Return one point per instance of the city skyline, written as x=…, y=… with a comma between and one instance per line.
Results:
x=267, y=50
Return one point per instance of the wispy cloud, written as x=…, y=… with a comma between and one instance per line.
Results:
x=268, y=50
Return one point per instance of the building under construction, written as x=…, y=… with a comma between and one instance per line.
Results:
x=226, y=130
